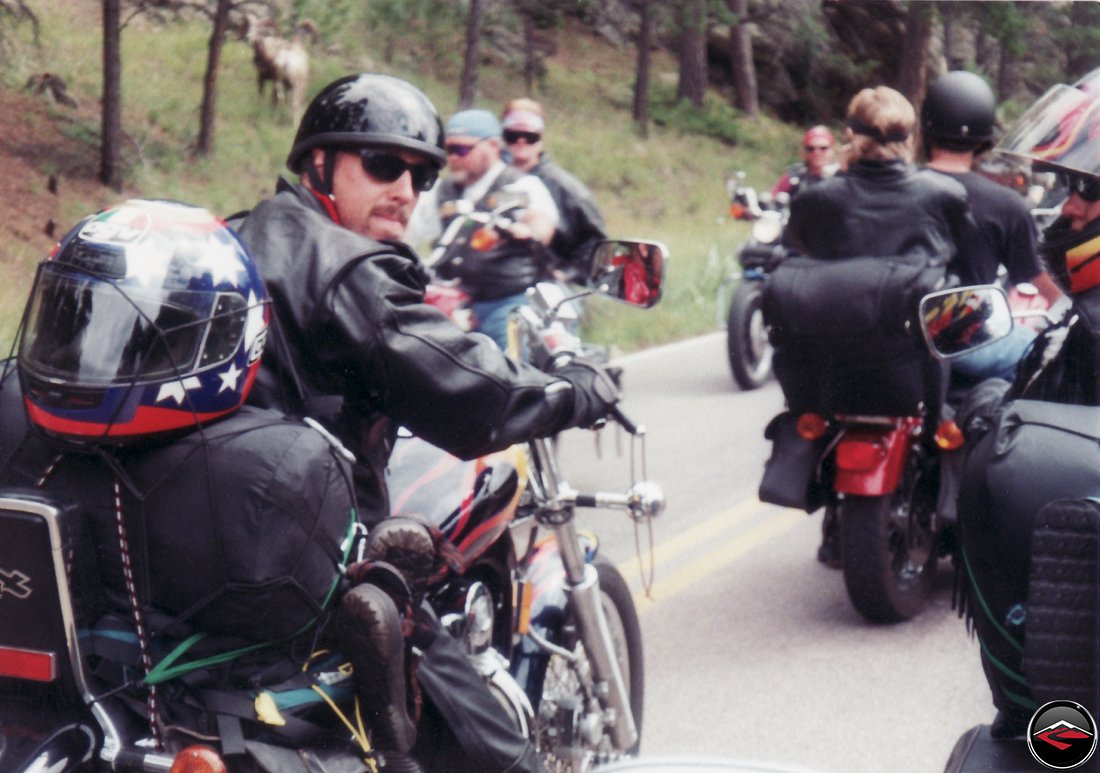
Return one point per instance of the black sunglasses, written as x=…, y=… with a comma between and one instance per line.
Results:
x=388, y=167
x=461, y=150
x=513, y=136
x=810, y=148
x=1084, y=185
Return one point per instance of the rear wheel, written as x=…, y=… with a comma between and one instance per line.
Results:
x=750, y=352
x=571, y=729
x=889, y=547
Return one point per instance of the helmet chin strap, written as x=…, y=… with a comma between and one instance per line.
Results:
x=320, y=185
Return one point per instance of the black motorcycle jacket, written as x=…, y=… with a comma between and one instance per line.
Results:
x=884, y=208
x=354, y=346
x=581, y=224
x=509, y=268
x=1063, y=363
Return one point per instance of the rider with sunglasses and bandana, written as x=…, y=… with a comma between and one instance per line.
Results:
x=524, y=124
x=354, y=346
x=496, y=278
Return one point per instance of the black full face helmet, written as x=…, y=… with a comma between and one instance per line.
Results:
x=959, y=112
x=369, y=110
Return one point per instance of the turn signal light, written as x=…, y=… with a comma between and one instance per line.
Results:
x=198, y=759
x=811, y=426
x=484, y=239
x=737, y=211
x=949, y=436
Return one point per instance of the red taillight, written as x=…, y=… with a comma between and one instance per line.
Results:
x=811, y=426
x=198, y=759
x=855, y=455
x=32, y=665
x=949, y=436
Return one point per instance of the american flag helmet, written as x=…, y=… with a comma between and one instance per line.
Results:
x=147, y=318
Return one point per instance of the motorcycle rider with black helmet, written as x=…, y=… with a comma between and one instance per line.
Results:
x=355, y=346
x=957, y=126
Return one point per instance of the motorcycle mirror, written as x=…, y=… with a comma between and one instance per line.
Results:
x=629, y=270
x=963, y=319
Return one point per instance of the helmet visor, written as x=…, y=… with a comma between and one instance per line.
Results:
x=1061, y=129
x=84, y=331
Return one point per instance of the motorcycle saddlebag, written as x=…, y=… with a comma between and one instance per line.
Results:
x=465, y=726
x=790, y=474
x=846, y=335
x=1034, y=454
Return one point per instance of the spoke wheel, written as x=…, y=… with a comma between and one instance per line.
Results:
x=572, y=734
x=750, y=351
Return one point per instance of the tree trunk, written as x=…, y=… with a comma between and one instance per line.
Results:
x=693, y=52
x=467, y=88
x=641, y=71
x=531, y=56
x=742, y=69
x=912, y=76
x=210, y=81
x=109, y=171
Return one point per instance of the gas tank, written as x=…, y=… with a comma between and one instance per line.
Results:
x=471, y=502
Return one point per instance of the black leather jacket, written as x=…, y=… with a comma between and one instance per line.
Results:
x=581, y=224
x=354, y=346
x=506, y=269
x=882, y=209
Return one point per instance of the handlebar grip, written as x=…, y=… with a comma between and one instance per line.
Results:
x=586, y=500
x=623, y=421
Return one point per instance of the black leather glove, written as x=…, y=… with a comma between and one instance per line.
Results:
x=594, y=393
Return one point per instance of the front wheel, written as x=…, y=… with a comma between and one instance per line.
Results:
x=889, y=548
x=571, y=731
x=750, y=352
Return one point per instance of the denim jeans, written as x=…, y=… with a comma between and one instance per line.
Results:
x=998, y=359
x=491, y=317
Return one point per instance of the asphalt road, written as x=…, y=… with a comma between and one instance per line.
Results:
x=753, y=651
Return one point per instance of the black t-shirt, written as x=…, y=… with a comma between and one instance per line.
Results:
x=1007, y=228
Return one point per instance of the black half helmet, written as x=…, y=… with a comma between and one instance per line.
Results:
x=369, y=110
x=959, y=108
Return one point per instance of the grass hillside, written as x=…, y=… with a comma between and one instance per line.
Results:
x=669, y=187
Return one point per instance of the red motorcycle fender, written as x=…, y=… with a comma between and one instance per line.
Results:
x=869, y=460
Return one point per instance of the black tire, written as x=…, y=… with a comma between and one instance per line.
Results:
x=563, y=693
x=621, y=614
x=888, y=549
x=750, y=352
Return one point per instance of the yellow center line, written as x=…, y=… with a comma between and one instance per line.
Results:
x=689, y=539
x=702, y=566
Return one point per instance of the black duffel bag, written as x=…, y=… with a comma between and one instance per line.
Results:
x=238, y=528
x=846, y=334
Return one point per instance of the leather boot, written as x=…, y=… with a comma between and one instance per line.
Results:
x=369, y=630
x=408, y=545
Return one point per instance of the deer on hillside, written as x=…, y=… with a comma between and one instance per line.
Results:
x=285, y=63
